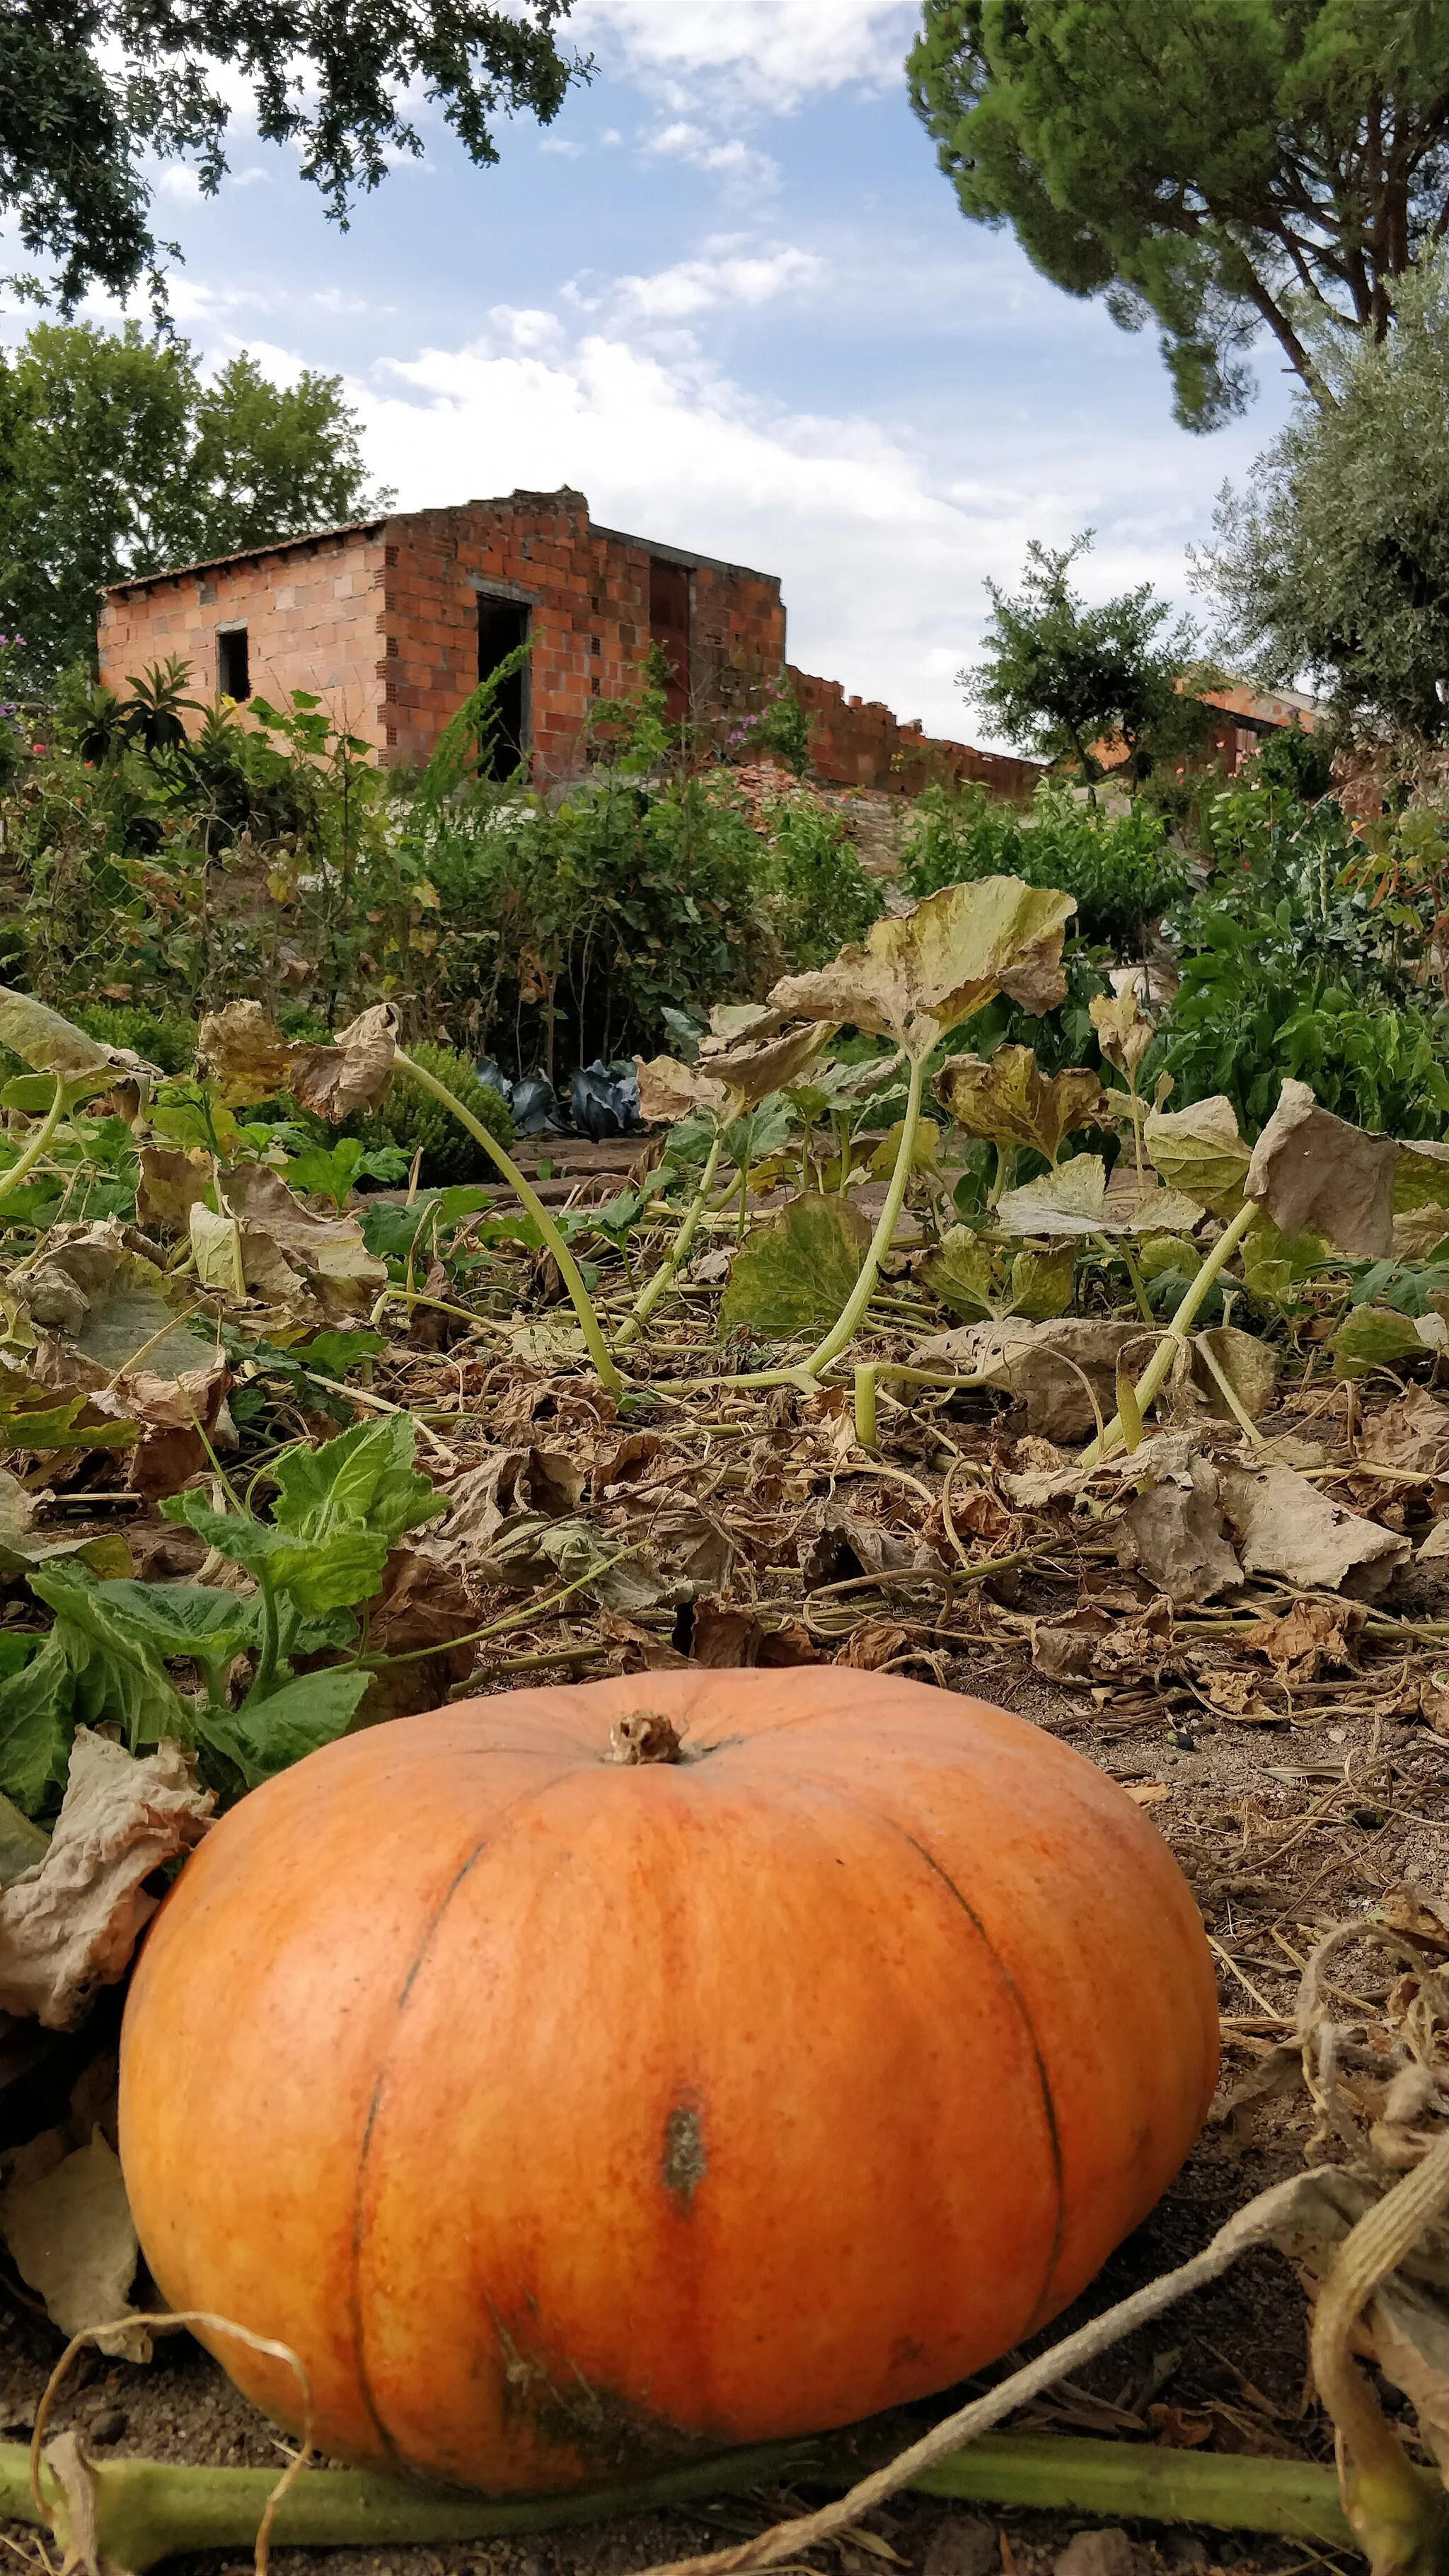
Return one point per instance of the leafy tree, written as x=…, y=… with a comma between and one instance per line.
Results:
x=1060, y=677
x=117, y=460
x=1335, y=564
x=90, y=88
x=1200, y=161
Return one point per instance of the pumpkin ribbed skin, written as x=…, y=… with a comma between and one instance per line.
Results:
x=566, y=2118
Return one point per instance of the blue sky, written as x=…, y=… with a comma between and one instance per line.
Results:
x=730, y=297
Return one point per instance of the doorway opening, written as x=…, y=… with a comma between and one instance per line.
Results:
x=502, y=627
x=669, y=630
x=233, y=675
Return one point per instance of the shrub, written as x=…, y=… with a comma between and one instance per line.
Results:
x=410, y=1117
x=1121, y=868
x=160, y=1036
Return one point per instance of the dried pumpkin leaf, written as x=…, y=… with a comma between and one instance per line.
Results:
x=282, y=1241
x=243, y=1053
x=1006, y=1100
x=169, y=1186
x=797, y=1272
x=1057, y=1368
x=1199, y=1152
x=1073, y=1201
x=669, y=1091
x=1285, y=1526
x=762, y=1060
x=1123, y=1035
x=1173, y=1534
x=352, y=1073
x=919, y=973
x=70, y=1924
x=1311, y=1169
x=72, y=2238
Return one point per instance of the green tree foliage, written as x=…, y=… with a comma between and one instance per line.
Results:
x=1059, y=676
x=1202, y=162
x=117, y=459
x=91, y=89
x=1335, y=563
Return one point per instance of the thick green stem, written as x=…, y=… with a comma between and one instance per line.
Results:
x=568, y=1268
x=1175, y=1337
x=1139, y=2480
x=147, y=2511
x=848, y=1323
x=26, y=1162
x=264, y=1680
x=865, y=1423
x=678, y=1253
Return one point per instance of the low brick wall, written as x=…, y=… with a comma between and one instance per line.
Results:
x=857, y=742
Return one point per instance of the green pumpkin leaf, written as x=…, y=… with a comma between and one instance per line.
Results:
x=176, y=1619
x=22, y=1844
x=1373, y=1337
x=335, y=1353
x=365, y=1475
x=925, y=1150
x=962, y=1274
x=1275, y=1265
x=264, y=1736
x=319, y=1575
x=1421, y=1176
x=1042, y=1284
x=798, y=1272
x=36, y=1727
x=40, y=1037
x=117, y=1675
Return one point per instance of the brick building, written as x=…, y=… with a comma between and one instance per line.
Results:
x=393, y=621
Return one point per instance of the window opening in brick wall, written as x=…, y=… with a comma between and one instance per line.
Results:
x=502, y=627
x=233, y=675
x=669, y=629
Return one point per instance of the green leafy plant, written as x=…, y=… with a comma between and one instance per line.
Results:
x=1121, y=869
x=412, y=1119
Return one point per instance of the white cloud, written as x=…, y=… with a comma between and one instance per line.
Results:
x=771, y=52
x=745, y=172
x=701, y=285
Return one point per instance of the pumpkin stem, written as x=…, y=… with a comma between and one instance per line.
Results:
x=644, y=1736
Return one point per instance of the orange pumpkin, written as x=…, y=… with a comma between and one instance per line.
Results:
x=568, y=2113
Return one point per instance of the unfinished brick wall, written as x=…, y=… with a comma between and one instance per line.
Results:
x=382, y=622
x=308, y=612
x=858, y=742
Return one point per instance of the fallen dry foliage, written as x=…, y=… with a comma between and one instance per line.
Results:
x=283, y=1456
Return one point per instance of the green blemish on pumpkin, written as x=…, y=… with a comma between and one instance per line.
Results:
x=684, y=2163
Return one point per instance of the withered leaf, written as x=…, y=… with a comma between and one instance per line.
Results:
x=1199, y=1152
x=669, y=1091
x=1285, y=1526
x=352, y=1073
x=72, y=2237
x=70, y=1924
x=921, y=972
x=1312, y=1170
x=1007, y=1101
